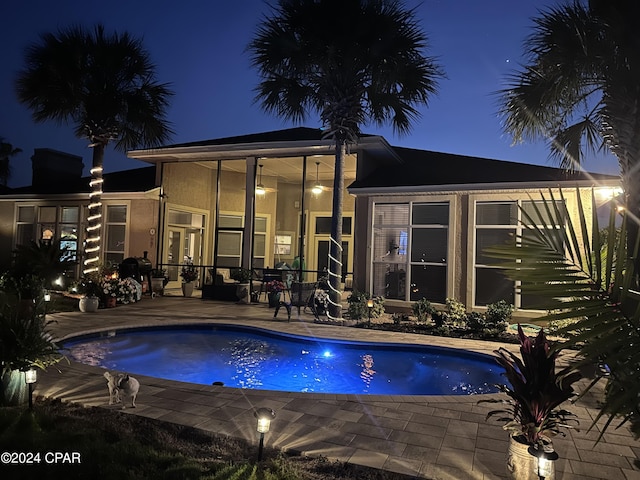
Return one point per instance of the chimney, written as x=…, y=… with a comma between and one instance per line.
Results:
x=51, y=168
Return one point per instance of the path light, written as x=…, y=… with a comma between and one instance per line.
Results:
x=370, y=307
x=545, y=456
x=264, y=416
x=30, y=377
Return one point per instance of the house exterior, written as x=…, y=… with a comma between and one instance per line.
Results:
x=415, y=222
x=56, y=206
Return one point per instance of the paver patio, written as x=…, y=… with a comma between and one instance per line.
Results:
x=438, y=437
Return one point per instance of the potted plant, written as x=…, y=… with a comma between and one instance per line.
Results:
x=532, y=413
x=158, y=280
x=25, y=343
x=189, y=274
x=243, y=277
x=91, y=292
x=274, y=289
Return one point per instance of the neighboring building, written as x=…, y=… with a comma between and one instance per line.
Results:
x=415, y=222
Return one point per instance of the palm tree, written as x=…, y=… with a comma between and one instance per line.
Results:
x=580, y=88
x=104, y=85
x=6, y=152
x=350, y=61
x=583, y=276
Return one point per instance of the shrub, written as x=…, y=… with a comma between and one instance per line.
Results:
x=423, y=310
x=358, y=309
x=455, y=317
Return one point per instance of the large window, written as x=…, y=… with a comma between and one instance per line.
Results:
x=410, y=249
x=230, y=230
x=502, y=223
x=115, y=230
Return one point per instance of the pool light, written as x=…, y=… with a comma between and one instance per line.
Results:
x=264, y=417
x=326, y=354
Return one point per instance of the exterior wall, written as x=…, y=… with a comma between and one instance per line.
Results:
x=7, y=222
x=143, y=228
x=461, y=235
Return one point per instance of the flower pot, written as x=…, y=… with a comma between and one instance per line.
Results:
x=274, y=299
x=242, y=292
x=521, y=464
x=13, y=389
x=187, y=289
x=157, y=285
x=88, y=304
x=110, y=302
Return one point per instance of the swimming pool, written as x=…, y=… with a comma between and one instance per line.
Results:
x=247, y=357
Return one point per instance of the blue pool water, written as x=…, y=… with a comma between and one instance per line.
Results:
x=246, y=357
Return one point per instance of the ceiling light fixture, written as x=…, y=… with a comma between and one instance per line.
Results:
x=317, y=188
x=260, y=190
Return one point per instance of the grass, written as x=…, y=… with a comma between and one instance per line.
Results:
x=115, y=445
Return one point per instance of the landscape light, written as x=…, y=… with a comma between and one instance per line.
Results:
x=545, y=456
x=370, y=307
x=30, y=377
x=264, y=417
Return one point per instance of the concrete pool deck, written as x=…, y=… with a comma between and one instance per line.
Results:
x=435, y=437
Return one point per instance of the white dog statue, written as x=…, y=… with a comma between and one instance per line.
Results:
x=122, y=387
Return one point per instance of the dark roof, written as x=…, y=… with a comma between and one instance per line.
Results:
x=296, y=134
x=135, y=180
x=286, y=135
x=427, y=168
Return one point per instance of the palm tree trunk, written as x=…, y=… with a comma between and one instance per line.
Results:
x=335, y=248
x=93, y=242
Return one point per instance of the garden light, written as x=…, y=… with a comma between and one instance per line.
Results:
x=30, y=377
x=545, y=456
x=369, y=307
x=264, y=417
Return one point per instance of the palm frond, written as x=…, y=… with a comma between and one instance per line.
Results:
x=566, y=270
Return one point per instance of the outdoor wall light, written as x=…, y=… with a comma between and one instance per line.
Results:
x=30, y=377
x=47, y=296
x=264, y=417
x=545, y=456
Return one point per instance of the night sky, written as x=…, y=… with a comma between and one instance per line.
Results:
x=199, y=48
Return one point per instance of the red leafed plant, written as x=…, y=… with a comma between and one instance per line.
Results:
x=535, y=390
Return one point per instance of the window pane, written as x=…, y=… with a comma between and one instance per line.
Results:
x=70, y=214
x=68, y=232
x=228, y=221
x=261, y=224
x=24, y=234
x=429, y=245
x=26, y=214
x=395, y=283
x=229, y=243
x=389, y=244
x=48, y=214
x=430, y=214
x=114, y=257
x=116, y=213
x=531, y=301
x=228, y=262
x=323, y=225
x=391, y=213
x=541, y=216
x=430, y=282
x=115, y=238
x=259, y=242
x=492, y=286
x=488, y=238
x=496, y=213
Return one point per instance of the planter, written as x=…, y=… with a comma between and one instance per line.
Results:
x=521, y=464
x=274, y=299
x=187, y=289
x=88, y=304
x=157, y=285
x=242, y=292
x=110, y=302
x=14, y=390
